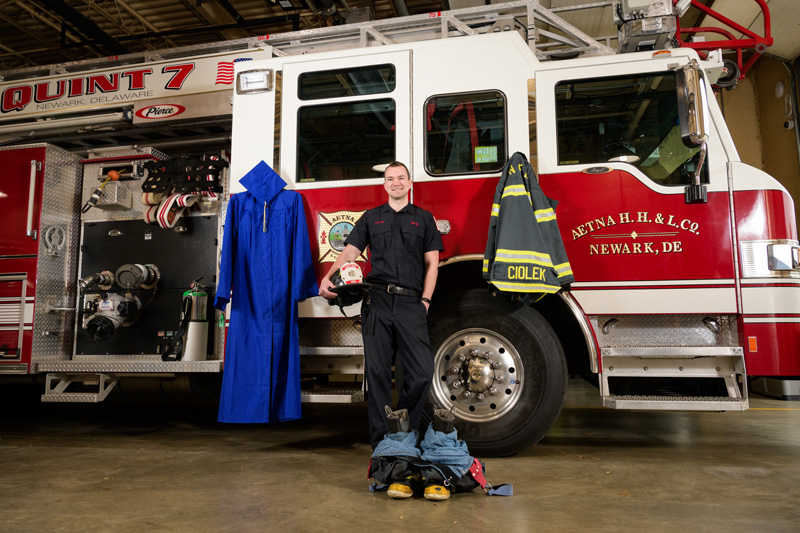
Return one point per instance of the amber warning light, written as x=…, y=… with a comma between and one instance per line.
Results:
x=752, y=344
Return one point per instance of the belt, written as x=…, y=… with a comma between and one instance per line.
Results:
x=396, y=289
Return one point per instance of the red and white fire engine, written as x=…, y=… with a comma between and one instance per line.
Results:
x=685, y=258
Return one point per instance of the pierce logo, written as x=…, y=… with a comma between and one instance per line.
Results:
x=160, y=111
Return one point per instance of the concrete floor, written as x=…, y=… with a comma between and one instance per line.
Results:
x=169, y=466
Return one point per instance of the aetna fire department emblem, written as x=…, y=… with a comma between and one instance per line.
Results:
x=334, y=228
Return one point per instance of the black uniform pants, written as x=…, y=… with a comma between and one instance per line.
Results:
x=395, y=324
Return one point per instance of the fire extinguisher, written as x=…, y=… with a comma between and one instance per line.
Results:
x=191, y=340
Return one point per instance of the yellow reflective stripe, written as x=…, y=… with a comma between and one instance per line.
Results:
x=522, y=256
x=543, y=215
x=495, y=209
x=516, y=260
x=564, y=269
x=486, y=265
x=525, y=287
x=523, y=253
x=514, y=193
x=516, y=190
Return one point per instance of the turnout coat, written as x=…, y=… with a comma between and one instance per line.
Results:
x=524, y=251
x=266, y=262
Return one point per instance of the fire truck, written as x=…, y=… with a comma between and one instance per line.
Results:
x=685, y=258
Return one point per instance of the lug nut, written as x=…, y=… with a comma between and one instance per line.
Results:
x=455, y=369
x=480, y=396
x=466, y=394
x=500, y=378
x=456, y=383
x=486, y=355
x=496, y=364
x=474, y=353
x=492, y=390
x=462, y=358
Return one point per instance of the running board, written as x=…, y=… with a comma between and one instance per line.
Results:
x=675, y=364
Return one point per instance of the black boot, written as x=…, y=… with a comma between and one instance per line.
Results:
x=398, y=420
x=443, y=420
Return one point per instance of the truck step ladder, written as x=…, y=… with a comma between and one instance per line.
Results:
x=106, y=374
x=57, y=384
x=676, y=363
x=327, y=360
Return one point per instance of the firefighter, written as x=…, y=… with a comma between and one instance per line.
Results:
x=404, y=248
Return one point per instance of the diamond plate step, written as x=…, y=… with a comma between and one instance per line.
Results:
x=674, y=352
x=73, y=397
x=676, y=403
x=332, y=396
x=675, y=364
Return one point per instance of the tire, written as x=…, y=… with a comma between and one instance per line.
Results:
x=525, y=366
x=730, y=75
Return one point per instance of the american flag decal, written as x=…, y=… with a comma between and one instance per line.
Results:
x=225, y=70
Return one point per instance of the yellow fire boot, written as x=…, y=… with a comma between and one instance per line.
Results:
x=401, y=489
x=436, y=492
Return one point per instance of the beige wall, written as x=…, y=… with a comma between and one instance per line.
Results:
x=741, y=114
x=755, y=117
x=779, y=143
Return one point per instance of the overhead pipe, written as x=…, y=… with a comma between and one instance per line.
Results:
x=227, y=6
x=85, y=26
x=293, y=18
x=401, y=7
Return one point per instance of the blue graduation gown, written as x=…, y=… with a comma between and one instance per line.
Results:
x=266, y=260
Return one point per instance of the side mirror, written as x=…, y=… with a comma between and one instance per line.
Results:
x=693, y=118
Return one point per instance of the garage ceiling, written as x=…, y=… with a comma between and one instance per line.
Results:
x=36, y=33
x=45, y=32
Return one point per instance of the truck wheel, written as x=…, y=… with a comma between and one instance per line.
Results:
x=500, y=367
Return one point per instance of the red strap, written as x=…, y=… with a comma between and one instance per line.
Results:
x=476, y=470
x=429, y=112
x=473, y=133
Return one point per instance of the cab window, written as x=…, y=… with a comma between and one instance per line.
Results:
x=344, y=140
x=465, y=133
x=338, y=83
x=630, y=119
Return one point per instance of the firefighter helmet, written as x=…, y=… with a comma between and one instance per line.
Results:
x=349, y=286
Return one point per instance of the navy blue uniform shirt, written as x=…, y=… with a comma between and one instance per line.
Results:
x=397, y=241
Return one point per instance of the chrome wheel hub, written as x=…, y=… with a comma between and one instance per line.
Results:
x=479, y=374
